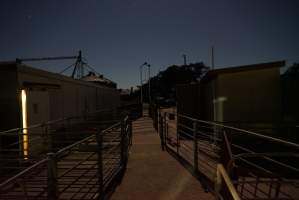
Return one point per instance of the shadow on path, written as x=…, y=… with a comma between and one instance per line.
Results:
x=154, y=174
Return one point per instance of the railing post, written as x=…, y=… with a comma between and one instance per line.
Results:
x=99, y=138
x=195, y=147
x=159, y=124
x=177, y=137
x=218, y=183
x=164, y=129
x=157, y=117
x=52, y=177
x=167, y=129
x=49, y=138
x=161, y=131
x=227, y=158
x=131, y=132
x=123, y=143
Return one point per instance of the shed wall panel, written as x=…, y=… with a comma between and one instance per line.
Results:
x=248, y=96
x=72, y=98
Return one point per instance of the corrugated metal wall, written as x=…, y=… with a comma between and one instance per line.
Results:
x=70, y=98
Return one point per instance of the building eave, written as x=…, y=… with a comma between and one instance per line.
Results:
x=234, y=69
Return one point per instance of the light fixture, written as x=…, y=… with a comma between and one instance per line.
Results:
x=24, y=123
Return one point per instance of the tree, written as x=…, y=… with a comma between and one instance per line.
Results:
x=163, y=85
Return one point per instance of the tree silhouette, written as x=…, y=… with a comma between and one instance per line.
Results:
x=163, y=85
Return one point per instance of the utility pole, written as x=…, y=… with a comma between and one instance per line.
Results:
x=185, y=59
x=212, y=57
x=141, y=82
x=214, y=94
x=149, y=83
x=141, y=96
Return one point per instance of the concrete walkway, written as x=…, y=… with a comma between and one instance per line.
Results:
x=154, y=174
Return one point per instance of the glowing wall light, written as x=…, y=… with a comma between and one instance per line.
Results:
x=24, y=123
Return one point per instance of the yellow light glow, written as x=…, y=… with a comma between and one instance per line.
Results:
x=24, y=123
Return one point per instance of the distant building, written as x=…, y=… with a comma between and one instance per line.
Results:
x=129, y=97
x=99, y=79
x=242, y=94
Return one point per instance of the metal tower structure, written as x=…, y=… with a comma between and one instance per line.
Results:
x=78, y=66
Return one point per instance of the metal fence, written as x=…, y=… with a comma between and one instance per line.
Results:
x=224, y=187
x=260, y=166
x=85, y=169
x=22, y=147
x=69, y=148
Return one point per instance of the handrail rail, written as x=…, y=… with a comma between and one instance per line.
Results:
x=287, y=143
x=50, y=162
x=222, y=174
x=82, y=141
x=23, y=172
x=267, y=156
x=50, y=122
x=256, y=163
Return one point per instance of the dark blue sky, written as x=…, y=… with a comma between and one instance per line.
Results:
x=116, y=36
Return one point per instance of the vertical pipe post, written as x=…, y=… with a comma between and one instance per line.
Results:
x=99, y=138
x=195, y=147
x=49, y=138
x=122, y=136
x=45, y=136
x=158, y=122
x=165, y=129
x=131, y=131
x=141, y=95
x=177, y=135
x=214, y=93
x=149, y=84
x=161, y=131
x=157, y=116
x=52, y=177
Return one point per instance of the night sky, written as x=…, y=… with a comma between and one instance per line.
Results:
x=117, y=36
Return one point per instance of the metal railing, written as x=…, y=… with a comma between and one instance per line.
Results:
x=85, y=169
x=224, y=187
x=22, y=147
x=259, y=166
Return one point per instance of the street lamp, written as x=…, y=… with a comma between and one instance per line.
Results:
x=141, y=81
x=149, y=83
x=140, y=69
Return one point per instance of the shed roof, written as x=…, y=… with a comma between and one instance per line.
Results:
x=12, y=65
x=214, y=73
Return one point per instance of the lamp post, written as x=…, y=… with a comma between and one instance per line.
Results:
x=185, y=59
x=141, y=83
x=149, y=83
